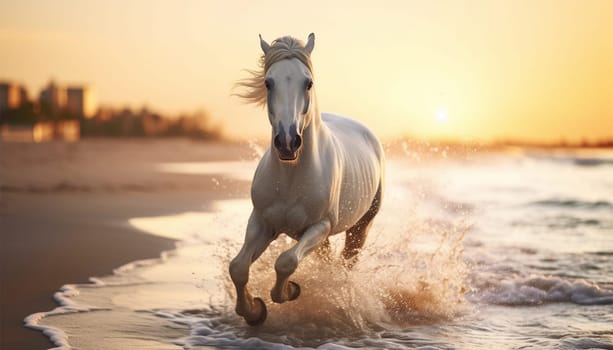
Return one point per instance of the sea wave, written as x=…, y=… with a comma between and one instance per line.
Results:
x=562, y=221
x=65, y=298
x=537, y=290
x=573, y=203
x=575, y=160
x=66, y=306
x=592, y=161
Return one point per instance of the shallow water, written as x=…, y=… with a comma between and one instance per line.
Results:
x=501, y=250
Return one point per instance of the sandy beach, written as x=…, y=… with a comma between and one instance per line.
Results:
x=64, y=211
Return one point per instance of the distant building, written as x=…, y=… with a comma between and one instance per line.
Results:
x=65, y=130
x=53, y=98
x=11, y=96
x=76, y=100
x=81, y=101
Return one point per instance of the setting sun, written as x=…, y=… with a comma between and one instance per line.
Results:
x=441, y=115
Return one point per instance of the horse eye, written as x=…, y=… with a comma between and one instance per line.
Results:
x=309, y=84
x=269, y=84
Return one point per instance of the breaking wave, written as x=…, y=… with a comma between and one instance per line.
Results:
x=537, y=290
x=573, y=203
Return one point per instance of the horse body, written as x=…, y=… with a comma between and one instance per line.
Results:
x=335, y=179
x=322, y=175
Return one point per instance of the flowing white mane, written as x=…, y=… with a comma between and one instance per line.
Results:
x=283, y=48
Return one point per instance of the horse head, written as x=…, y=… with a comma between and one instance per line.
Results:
x=288, y=80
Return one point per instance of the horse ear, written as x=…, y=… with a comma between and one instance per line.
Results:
x=310, y=43
x=264, y=45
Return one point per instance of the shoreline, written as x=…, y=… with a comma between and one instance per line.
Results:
x=64, y=211
x=42, y=255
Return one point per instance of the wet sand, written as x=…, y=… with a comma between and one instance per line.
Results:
x=64, y=211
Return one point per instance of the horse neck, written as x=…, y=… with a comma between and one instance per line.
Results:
x=313, y=131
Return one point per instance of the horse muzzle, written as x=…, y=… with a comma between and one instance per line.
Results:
x=288, y=148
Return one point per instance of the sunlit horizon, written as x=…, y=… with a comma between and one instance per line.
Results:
x=474, y=70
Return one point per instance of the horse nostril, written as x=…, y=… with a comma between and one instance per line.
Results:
x=296, y=142
x=277, y=142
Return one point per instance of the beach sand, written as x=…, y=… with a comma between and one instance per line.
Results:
x=64, y=211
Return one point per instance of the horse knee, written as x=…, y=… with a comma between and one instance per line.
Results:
x=239, y=271
x=286, y=263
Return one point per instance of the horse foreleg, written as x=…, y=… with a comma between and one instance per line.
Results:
x=285, y=290
x=257, y=239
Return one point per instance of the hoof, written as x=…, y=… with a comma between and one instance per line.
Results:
x=294, y=290
x=263, y=314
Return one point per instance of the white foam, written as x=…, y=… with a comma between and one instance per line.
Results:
x=64, y=298
x=536, y=290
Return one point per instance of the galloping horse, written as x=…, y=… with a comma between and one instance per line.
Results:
x=322, y=175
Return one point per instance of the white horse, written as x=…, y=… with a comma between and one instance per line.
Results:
x=323, y=176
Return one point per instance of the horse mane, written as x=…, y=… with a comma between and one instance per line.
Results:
x=282, y=48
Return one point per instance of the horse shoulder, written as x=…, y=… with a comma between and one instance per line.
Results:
x=263, y=186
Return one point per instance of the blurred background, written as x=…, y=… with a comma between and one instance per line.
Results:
x=490, y=71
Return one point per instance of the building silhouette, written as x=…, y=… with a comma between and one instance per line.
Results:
x=81, y=101
x=12, y=96
x=77, y=101
x=57, y=114
x=52, y=99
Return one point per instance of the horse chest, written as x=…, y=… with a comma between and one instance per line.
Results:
x=291, y=219
x=292, y=209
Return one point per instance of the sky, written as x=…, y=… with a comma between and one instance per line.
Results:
x=468, y=70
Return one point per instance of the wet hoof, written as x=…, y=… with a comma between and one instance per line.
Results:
x=263, y=313
x=294, y=290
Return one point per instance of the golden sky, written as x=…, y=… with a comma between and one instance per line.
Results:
x=538, y=70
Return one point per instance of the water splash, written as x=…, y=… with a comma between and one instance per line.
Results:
x=397, y=282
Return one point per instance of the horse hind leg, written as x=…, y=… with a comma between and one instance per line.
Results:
x=356, y=235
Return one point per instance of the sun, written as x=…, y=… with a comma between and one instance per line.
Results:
x=441, y=115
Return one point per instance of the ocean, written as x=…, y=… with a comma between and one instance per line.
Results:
x=501, y=249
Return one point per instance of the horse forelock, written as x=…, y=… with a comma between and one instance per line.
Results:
x=286, y=47
x=282, y=48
